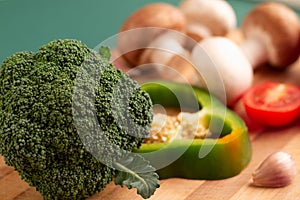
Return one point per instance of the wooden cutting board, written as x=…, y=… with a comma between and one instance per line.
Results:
x=264, y=142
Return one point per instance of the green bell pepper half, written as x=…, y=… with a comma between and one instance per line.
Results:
x=223, y=155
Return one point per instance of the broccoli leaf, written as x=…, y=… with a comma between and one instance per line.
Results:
x=136, y=172
x=105, y=52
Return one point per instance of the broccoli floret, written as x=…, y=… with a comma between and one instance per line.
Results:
x=47, y=101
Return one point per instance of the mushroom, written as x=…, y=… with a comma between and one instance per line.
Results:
x=144, y=25
x=225, y=70
x=208, y=18
x=272, y=34
x=236, y=35
x=118, y=61
x=164, y=47
x=169, y=58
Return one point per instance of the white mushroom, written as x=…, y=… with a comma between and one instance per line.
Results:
x=272, y=34
x=208, y=18
x=225, y=70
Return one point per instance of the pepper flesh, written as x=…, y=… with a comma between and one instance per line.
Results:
x=228, y=151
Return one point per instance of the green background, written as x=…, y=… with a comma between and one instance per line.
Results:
x=25, y=25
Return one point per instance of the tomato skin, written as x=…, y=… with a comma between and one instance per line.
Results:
x=272, y=103
x=253, y=126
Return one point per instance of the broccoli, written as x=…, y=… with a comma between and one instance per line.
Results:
x=69, y=120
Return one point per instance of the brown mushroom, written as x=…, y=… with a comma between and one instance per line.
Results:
x=272, y=33
x=144, y=25
x=163, y=48
x=168, y=58
x=235, y=35
x=118, y=61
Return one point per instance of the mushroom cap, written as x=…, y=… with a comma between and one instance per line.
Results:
x=277, y=27
x=224, y=68
x=217, y=15
x=161, y=15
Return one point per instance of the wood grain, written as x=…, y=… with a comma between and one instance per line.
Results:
x=264, y=142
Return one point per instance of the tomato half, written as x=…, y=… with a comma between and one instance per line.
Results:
x=272, y=103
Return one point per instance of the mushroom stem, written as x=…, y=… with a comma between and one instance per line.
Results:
x=163, y=48
x=196, y=32
x=255, y=51
x=166, y=51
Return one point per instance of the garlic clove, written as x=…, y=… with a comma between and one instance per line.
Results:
x=277, y=170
